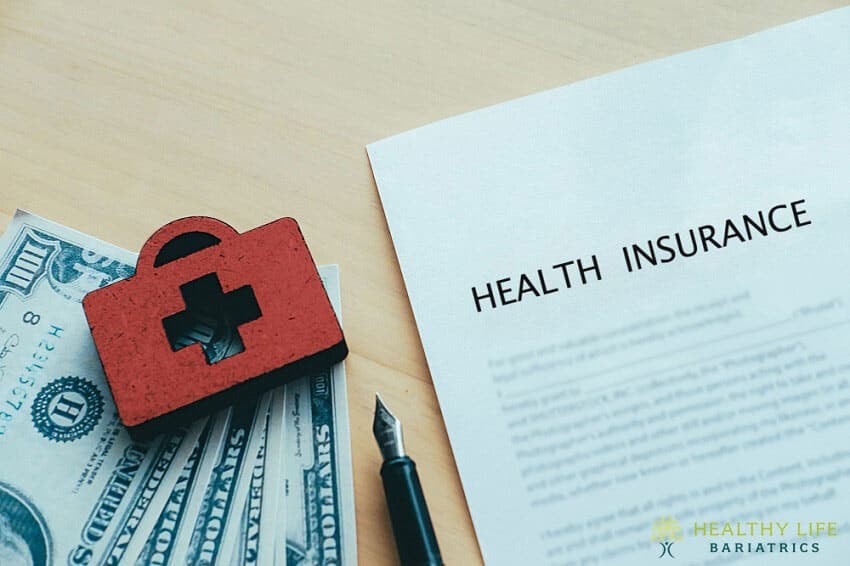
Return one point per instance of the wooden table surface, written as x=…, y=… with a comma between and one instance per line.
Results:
x=116, y=117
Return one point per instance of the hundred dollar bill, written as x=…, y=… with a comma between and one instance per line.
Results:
x=215, y=506
x=158, y=547
x=318, y=494
x=182, y=509
x=243, y=539
x=272, y=516
x=147, y=502
x=73, y=482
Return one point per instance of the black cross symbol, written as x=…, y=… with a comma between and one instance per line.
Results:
x=211, y=318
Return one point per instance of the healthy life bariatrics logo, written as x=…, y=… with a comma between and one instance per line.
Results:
x=665, y=532
x=750, y=537
x=781, y=537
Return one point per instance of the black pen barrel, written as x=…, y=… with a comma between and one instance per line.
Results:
x=414, y=533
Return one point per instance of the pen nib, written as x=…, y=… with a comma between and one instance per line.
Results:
x=387, y=430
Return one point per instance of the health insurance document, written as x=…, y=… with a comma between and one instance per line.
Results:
x=634, y=297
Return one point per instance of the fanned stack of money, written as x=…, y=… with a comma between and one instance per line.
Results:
x=266, y=481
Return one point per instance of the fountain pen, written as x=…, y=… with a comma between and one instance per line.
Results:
x=414, y=534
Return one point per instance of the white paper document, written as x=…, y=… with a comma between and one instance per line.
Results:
x=634, y=296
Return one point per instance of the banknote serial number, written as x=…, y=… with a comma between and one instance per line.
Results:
x=32, y=370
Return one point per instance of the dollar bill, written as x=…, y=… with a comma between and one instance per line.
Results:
x=73, y=483
x=158, y=546
x=266, y=481
x=314, y=489
x=272, y=516
x=318, y=492
x=147, y=501
x=243, y=542
x=217, y=505
x=215, y=496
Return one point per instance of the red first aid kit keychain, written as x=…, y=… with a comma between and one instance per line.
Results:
x=211, y=314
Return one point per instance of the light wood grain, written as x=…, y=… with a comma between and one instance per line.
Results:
x=116, y=117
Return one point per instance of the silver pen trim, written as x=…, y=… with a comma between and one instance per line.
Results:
x=387, y=430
